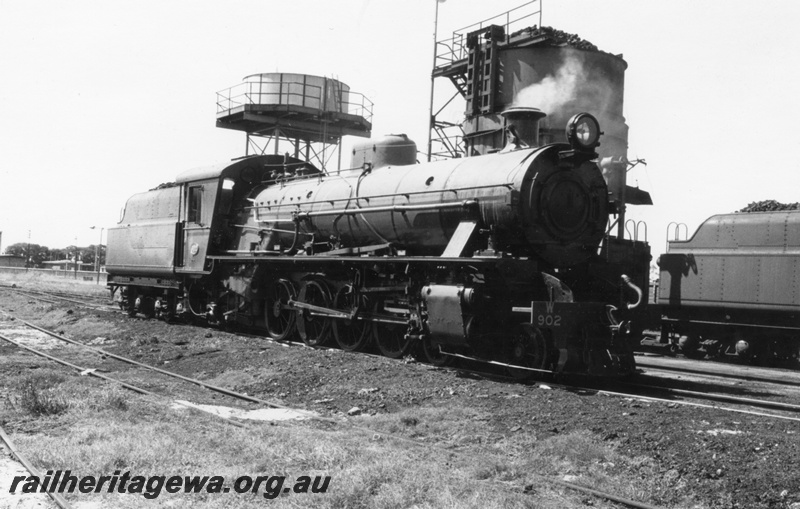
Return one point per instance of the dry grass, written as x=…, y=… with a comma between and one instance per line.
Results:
x=104, y=429
x=39, y=395
x=476, y=462
x=44, y=281
x=101, y=429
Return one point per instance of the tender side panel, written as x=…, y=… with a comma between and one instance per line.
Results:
x=745, y=261
x=144, y=241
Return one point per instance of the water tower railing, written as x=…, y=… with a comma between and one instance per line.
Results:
x=449, y=51
x=292, y=94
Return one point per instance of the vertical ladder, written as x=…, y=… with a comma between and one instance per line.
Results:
x=483, y=70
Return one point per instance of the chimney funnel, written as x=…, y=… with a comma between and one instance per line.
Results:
x=524, y=123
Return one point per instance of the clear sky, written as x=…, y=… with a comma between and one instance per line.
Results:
x=103, y=99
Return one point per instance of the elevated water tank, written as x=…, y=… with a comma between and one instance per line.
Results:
x=301, y=106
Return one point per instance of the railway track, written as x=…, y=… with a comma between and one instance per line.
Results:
x=692, y=398
x=157, y=398
x=647, y=389
x=672, y=396
x=56, y=297
x=736, y=372
x=57, y=498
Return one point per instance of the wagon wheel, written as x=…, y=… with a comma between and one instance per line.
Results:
x=278, y=315
x=168, y=313
x=432, y=355
x=129, y=302
x=314, y=329
x=390, y=337
x=690, y=346
x=529, y=349
x=148, y=306
x=351, y=334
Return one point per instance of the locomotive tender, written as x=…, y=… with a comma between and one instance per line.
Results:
x=734, y=287
x=459, y=257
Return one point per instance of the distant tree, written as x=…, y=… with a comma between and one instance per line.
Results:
x=42, y=254
x=88, y=254
x=74, y=252
x=57, y=254
x=16, y=249
x=34, y=253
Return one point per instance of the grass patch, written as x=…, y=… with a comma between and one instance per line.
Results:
x=105, y=429
x=34, y=401
x=365, y=471
x=574, y=452
x=51, y=393
x=44, y=281
x=40, y=394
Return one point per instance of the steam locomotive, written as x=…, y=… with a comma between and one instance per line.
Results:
x=475, y=257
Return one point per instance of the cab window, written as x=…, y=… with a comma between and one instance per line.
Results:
x=195, y=202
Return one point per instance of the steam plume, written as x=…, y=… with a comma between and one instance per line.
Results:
x=572, y=88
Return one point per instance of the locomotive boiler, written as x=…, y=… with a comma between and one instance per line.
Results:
x=464, y=257
x=523, y=201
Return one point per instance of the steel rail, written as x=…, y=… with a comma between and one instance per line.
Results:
x=794, y=408
x=94, y=373
x=677, y=402
x=747, y=378
x=559, y=482
x=737, y=324
x=37, y=295
x=503, y=364
x=602, y=494
x=315, y=311
x=57, y=498
x=234, y=394
x=205, y=385
x=722, y=397
x=222, y=390
x=69, y=294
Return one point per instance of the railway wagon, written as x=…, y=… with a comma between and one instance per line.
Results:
x=453, y=258
x=734, y=287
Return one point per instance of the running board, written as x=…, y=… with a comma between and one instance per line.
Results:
x=460, y=239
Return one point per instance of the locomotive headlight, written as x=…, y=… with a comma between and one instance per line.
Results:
x=583, y=132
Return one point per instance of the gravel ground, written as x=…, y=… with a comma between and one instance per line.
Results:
x=716, y=459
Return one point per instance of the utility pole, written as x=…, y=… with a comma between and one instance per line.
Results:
x=97, y=253
x=433, y=79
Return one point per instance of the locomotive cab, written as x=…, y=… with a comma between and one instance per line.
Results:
x=171, y=229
